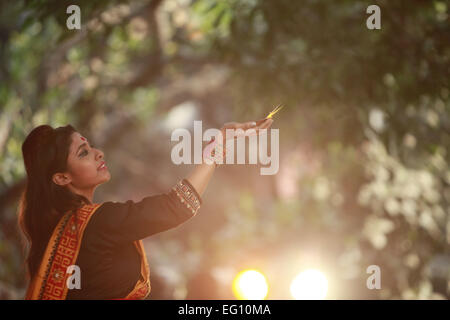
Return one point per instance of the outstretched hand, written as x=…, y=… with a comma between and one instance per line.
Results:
x=216, y=150
x=249, y=128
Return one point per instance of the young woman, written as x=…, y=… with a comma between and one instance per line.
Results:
x=70, y=236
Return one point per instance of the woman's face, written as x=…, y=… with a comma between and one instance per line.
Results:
x=85, y=164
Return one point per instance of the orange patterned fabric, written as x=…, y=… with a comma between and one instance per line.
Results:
x=62, y=251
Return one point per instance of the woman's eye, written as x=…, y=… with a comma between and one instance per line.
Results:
x=85, y=152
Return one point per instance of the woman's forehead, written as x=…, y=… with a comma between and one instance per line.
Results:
x=78, y=137
x=77, y=140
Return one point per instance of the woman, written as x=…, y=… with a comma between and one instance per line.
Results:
x=79, y=249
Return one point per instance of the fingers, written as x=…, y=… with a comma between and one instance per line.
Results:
x=263, y=124
x=260, y=122
x=249, y=128
x=229, y=125
x=248, y=125
x=244, y=126
x=266, y=124
x=237, y=125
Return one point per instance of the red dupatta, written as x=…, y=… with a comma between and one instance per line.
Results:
x=50, y=283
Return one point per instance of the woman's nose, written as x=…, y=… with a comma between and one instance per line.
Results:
x=100, y=154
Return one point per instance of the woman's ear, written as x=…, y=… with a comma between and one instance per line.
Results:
x=61, y=179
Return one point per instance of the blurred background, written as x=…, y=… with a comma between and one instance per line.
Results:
x=364, y=173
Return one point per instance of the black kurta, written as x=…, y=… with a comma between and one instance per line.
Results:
x=109, y=262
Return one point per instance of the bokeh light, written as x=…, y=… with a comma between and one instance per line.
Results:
x=310, y=284
x=250, y=285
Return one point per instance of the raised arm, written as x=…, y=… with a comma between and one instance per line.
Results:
x=118, y=223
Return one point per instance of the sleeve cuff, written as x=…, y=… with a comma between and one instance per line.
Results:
x=188, y=196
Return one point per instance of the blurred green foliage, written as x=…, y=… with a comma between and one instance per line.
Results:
x=364, y=176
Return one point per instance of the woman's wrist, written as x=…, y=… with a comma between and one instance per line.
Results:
x=200, y=176
x=214, y=153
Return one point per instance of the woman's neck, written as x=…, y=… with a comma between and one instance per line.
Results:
x=87, y=193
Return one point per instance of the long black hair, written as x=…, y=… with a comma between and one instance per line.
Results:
x=45, y=152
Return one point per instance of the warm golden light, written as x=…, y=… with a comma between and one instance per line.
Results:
x=250, y=285
x=309, y=285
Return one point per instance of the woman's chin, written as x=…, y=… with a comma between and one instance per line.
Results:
x=106, y=177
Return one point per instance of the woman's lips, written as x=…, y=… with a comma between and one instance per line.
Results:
x=103, y=166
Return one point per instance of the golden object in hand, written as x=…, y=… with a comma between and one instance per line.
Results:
x=278, y=108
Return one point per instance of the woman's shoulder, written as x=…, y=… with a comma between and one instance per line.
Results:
x=107, y=212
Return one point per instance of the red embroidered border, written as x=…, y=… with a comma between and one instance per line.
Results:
x=67, y=247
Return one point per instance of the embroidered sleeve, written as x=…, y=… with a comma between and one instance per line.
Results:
x=123, y=222
x=187, y=194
